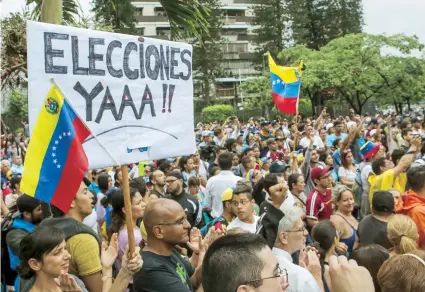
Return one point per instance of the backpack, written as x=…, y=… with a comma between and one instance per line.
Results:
x=204, y=230
x=8, y=275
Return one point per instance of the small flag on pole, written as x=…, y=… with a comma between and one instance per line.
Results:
x=286, y=83
x=56, y=163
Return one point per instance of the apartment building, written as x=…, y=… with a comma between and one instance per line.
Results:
x=237, y=33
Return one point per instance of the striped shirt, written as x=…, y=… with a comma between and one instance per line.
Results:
x=318, y=205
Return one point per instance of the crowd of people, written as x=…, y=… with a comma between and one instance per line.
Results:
x=310, y=204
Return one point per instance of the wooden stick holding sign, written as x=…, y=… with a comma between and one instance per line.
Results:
x=127, y=207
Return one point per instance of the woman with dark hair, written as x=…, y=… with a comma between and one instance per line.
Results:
x=371, y=257
x=118, y=223
x=325, y=238
x=296, y=184
x=44, y=258
x=118, y=178
x=104, y=181
x=186, y=165
x=347, y=171
x=327, y=159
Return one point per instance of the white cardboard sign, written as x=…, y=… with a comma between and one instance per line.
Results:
x=135, y=94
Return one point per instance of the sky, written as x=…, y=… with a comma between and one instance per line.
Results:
x=380, y=16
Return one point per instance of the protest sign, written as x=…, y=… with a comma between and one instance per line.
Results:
x=135, y=94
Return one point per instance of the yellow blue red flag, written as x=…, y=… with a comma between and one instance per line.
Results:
x=286, y=83
x=56, y=163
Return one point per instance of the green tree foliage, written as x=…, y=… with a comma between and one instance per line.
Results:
x=17, y=106
x=316, y=22
x=208, y=52
x=186, y=17
x=217, y=112
x=271, y=35
x=117, y=13
x=258, y=94
x=14, y=49
x=70, y=9
x=357, y=68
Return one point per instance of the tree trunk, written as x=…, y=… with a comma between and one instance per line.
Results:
x=408, y=104
x=396, y=108
x=267, y=112
x=400, y=105
x=51, y=11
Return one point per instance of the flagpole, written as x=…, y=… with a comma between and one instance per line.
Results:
x=125, y=186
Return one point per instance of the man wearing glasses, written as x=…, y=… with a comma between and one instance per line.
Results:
x=242, y=262
x=319, y=201
x=291, y=238
x=243, y=207
x=164, y=270
x=189, y=203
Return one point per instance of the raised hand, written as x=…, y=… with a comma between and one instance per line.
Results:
x=67, y=284
x=347, y=276
x=109, y=252
x=195, y=240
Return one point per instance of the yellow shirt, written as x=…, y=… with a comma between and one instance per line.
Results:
x=386, y=181
x=143, y=232
x=85, y=255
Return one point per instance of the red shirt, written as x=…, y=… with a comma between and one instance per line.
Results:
x=275, y=155
x=319, y=206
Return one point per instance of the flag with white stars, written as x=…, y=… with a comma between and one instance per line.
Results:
x=56, y=163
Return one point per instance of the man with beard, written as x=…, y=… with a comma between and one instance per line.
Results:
x=163, y=268
x=190, y=204
x=157, y=179
x=30, y=214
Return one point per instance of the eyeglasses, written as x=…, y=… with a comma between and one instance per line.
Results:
x=179, y=222
x=297, y=230
x=170, y=181
x=282, y=273
x=242, y=202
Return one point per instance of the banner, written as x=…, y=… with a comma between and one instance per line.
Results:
x=135, y=94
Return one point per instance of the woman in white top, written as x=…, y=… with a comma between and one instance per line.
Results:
x=347, y=170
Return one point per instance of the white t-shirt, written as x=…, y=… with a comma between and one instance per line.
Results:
x=251, y=228
x=91, y=221
x=305, y=142
x=349, y=174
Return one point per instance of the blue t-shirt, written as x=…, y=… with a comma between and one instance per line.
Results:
x=331, y=138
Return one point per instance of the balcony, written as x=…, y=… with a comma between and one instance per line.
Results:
x=140, y=18
x=224, y=92
x=237, y=19
x=246, y=37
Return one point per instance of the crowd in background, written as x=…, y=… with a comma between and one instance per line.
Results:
x=306, y=204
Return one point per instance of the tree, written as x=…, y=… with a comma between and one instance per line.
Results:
x=17, y=106
x=14, y=50
x=217, y=112
x=208, y=52
x=271, y=35
x=357, y=70
x=258, y=94
x=116, y=13
x=186, y=17
x=316, y=22
x=55, y=11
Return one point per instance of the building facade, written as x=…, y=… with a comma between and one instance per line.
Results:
x=237, y=33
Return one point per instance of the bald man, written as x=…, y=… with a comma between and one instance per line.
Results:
x=164, y=270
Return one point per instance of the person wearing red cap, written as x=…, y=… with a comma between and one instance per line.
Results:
x=319, y=201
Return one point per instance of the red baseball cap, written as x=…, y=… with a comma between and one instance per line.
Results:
x=319, y=171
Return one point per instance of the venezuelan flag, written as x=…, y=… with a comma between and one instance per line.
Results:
x=56, y=163
x=286, y=82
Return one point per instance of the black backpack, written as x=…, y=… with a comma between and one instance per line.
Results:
x=8, y=275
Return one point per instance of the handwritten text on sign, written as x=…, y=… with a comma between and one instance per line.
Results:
x=116, y=82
